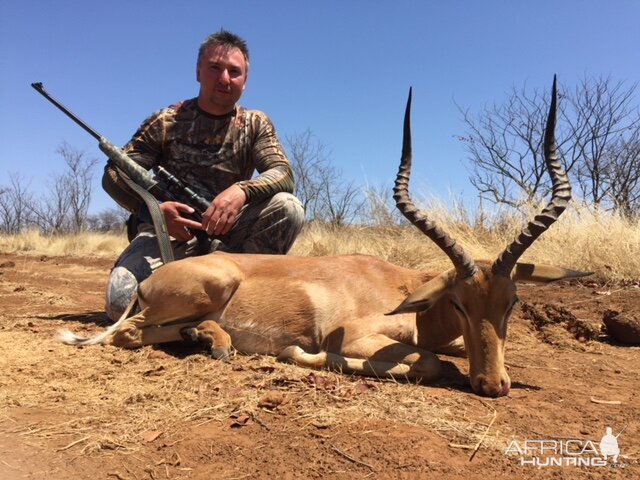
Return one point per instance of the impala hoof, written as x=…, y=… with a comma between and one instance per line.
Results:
x=222, y=354
x=190, y=334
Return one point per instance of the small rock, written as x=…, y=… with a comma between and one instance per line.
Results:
x=158, y=355
x=271, y=400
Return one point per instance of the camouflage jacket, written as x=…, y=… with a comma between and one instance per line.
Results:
x=208, y=153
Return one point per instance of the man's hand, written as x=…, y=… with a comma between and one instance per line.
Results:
x=177, y=225
x=223, y=211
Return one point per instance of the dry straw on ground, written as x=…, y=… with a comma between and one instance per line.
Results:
x=146, y=393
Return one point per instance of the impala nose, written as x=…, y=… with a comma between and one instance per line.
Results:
x=491, y=387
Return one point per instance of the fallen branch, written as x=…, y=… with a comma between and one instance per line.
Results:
x=73, y=443
x=606, y=402
x=350, y=458
x=9, y=465
x=117, y=475
x=259, y=421
x=464, y=447
x=475, y=450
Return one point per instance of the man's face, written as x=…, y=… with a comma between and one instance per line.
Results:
x=222, y=73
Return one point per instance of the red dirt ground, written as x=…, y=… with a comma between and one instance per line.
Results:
x=173, y=412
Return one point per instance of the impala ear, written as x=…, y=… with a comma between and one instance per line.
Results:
x=425, y=296
x=543, y=273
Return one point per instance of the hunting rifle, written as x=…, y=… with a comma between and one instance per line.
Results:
x=145, y=184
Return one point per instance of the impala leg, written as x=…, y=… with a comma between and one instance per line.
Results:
x=212, y=335
x=133, y=334
x=129, y=333
x=374, y=355
x=139, y=330
x=387, y=357
x=455, y=348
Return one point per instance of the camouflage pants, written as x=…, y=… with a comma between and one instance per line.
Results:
x=270, y=226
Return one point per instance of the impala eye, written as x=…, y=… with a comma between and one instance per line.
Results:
x=457, y=306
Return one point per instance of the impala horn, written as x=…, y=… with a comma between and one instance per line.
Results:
x=463, y=263
x=560, y=197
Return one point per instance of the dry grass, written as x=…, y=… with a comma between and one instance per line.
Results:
x=146, y=392
x=104, y=245
x=582, y=239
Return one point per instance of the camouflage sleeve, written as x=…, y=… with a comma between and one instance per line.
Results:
x=274, y=170
x=144, y=148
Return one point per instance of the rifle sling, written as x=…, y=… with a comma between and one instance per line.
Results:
x=164, y=242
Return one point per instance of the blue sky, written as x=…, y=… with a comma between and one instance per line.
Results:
x=339, y=68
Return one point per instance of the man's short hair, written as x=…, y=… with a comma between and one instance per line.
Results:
x=226, y=39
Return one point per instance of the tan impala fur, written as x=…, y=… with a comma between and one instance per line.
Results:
x=332, y=312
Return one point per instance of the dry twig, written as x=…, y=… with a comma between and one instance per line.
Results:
x=350, y=458
x=475, y=450
x=73, y=443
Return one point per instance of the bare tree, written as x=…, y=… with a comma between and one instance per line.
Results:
x=597, y=134
x=505, y=147
x=602, y=124
x=109, y=220
x=380, y=209
x=77, y=178
x=623, y=176
x=310, y=163
x=325, y=195
x=16, y=205
x=65, y=207
x=341, y=202
x=51, y=211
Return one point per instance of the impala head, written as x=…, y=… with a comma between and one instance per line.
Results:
x=483, y=295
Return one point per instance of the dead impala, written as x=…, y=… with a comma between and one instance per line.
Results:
x=332, y=312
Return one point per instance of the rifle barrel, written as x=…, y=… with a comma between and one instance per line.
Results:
x=40, y=89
